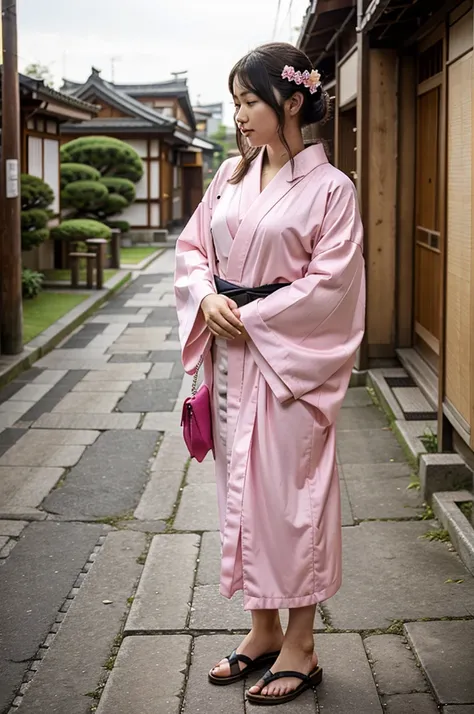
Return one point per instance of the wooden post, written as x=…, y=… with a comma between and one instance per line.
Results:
x=11, y=307
x=115, y=248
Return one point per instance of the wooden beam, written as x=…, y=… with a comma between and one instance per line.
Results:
x=472, y=269
x=381, y=200
x=11, y=306
x=406, y=199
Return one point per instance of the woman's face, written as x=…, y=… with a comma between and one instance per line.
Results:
x=255, y=119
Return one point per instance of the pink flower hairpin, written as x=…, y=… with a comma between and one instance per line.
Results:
x=311, y=80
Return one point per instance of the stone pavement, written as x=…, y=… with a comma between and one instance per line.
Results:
x=109, y=595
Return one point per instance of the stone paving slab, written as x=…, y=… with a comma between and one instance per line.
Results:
x=162, y=370
x=129, y=358
x=403, y=577
x=211, y=611
x=348, y=686
x=209, y=559
x=148, y=676
x=201, y=697
x=92, y=403
x=42, y=455
x=369, y=446
x=73, y=663
x=446, y=653
x=201, y=473
x=121, y=373
x=164, y=593
x=12, y=528
x=410, y=704
x=59, y=437
x=25, y=487
x=198, y=509
x=35, y=581
x=7, y=420
x=162, y=421
x=167, y=472
x=87, y=421
x=394, y=665
x=97, y=387
x=357, y=397
x=347, y=517
x=32, y=392
x=381, y=491
x=49, y=376
x=151, y=394
x=14, y=407
x=357, y=418
x=459, y=709
x=109, y=479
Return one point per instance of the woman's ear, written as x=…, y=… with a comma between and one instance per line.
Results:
x=295, y=103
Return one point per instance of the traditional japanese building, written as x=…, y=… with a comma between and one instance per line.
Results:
x=401, y=74
x=42, y=113
x=158, y=121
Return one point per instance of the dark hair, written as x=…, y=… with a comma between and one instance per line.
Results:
x=260, y=73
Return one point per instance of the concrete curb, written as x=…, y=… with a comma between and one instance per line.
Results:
x=443, y=472
x=455, y=522
x=11, y=366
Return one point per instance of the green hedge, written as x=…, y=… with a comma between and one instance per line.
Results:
x=84, y=195
x=79, y=229
x=77, y=172
x=111, y=157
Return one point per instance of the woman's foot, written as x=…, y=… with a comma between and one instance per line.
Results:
x=254, y=645
x=292, y=657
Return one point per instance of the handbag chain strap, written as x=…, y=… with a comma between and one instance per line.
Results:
x=196, y=374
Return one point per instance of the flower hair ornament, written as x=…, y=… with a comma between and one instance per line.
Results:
x=311, y=80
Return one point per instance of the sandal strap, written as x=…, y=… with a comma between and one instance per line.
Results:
x=271, y=677
x=234, y=660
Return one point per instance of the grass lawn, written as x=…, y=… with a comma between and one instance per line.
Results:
x=136, y=255
x=43, y=310
x=65, y=275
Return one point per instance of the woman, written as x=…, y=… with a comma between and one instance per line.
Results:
x=278, y=366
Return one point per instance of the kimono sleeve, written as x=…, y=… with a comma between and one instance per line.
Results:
x=194, y=280
x=304, y=333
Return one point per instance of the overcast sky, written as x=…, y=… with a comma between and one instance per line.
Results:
x=149, y=39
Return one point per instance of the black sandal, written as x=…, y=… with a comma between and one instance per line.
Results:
x=236, y=674
x=309, y=681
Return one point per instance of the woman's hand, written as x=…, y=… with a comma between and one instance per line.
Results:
x=221, y=315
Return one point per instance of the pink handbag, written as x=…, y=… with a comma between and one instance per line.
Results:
x=196, y=420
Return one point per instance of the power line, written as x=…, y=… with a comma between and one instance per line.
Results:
x=275, y=24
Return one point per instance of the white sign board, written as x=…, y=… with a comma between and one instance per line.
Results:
x=12, y=178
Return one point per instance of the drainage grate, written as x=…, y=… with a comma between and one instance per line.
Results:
x=400, y=382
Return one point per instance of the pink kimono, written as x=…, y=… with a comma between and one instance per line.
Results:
x=276, y=397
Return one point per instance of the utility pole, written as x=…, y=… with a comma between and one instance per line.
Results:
x=11, y=308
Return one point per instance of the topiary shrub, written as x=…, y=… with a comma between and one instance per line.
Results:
x=122, y=187
x=79, y=229
x=36, y=197
x=112, y=157
x=85, y=196
x=31, y=283
x=35, y=193
x=123, y=226
x=77, y=172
